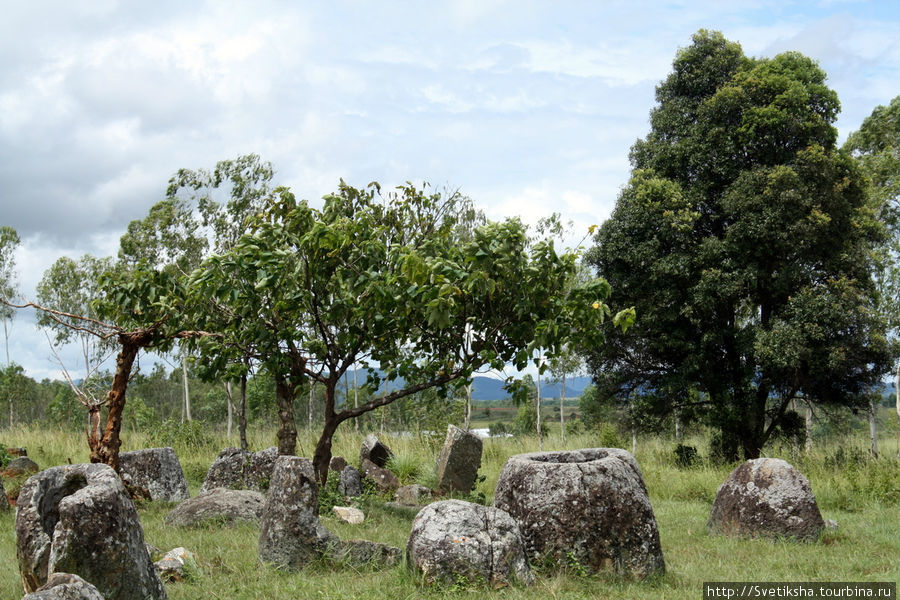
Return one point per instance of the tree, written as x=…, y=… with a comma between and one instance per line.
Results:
x=389, y=283
x=877, y=148
x=744, y=238
x=247, y=182
x=563, y=365
x=70, y=287
x=9, y=242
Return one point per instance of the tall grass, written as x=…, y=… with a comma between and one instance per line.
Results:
x=859, y=493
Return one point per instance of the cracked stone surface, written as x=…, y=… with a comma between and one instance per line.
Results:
x=459, y=461
x=238, y=469
x=79, y=519
x=766, y=497
x=589, y=506
x=155, y=473
x=453, y=538
x=65, y=586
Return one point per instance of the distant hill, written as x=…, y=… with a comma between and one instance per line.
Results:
x=487, y=388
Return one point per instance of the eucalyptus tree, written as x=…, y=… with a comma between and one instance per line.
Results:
x=9, y=243
x=225, y=199
x=745, y=240
x=386, y=281
x=876, y=146
x=69, y=287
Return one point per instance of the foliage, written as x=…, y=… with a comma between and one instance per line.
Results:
x=526, y=419
x=745, y=241
x=391, y=281
x=187, y=435
x=9, y=243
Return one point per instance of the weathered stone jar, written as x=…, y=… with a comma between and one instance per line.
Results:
x=588, y=506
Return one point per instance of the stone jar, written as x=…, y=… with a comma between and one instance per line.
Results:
x=587, y=506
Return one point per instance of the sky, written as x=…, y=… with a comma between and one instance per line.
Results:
x=527, y=107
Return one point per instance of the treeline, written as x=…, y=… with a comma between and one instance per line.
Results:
x=156, y=400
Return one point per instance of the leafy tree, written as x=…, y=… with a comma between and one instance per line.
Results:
x=877, y=148
x=386, y=282
x=247, y=182
x=69, y=287
x=744, y=238
x=9, y=242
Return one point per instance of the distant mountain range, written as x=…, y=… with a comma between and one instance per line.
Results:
x=487, y=388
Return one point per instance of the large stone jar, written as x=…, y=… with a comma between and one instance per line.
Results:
x=588, y=507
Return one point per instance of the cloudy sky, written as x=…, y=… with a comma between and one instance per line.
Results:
x=527, y=107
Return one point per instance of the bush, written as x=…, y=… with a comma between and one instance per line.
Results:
x=685, y=456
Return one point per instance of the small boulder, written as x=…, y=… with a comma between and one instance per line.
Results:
x=219, y=506
x=766, y=497
x=350, y=484
x=385, y=481
x=374, y=450
x=17, y=451
x=361, y=554
x=79, y=519
x=459, y=461
x=337, y=464
x=349, y=514
x=65, y=586
x=413, y=495
x=290, y=534
x=241, y=470
x=19, y=467
x=154, y=473
x=175, y=564
x=453, y=539
x=589, y=505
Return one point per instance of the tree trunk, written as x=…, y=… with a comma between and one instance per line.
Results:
x=873, y=430
x=897, y=396
x=229, y=407
x=322, y=454
x=562, y=403
x=309, y=406
x=356, y=398
x=242, y=418
x=795, y=437
x=537, y=401
x=106, y=449
x=678, y=433
x=468, y=418
x=809, y=425
x=6, y=340
x=184, y=380
x=287, y=432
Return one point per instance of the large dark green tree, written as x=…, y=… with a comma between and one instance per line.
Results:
x=390, y=282
x=744, y=239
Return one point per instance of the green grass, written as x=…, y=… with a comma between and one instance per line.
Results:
x=860, y=494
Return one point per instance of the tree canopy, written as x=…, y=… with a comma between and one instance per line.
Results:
x=744, y=239
x=390, y=282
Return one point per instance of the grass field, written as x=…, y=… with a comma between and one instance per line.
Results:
x=862, y=495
